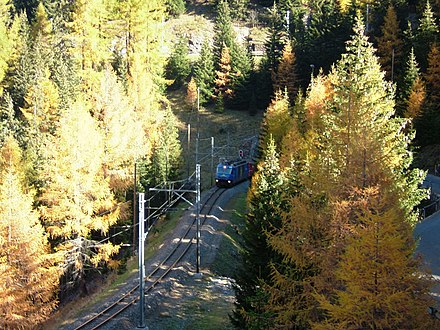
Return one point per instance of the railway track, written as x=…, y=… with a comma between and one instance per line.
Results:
x=160, y=272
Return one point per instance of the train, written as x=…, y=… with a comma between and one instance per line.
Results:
x=229, y=173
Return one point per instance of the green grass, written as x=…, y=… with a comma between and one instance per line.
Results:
x=227, y=259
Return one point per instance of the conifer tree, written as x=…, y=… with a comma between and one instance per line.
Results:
x=358, y=145
x=238, y=9
x=223, y=90
x=323, y=41
x=28, y=275
x=433, y=75
x=41, y=105
x=411, y=83
x=412, y=71
x=204, y=73
x=241, y=67
x=428, y=125
x=416, y=99
x=191, y=94
x=124, y=140
x=163, y=165
x=389, y=45
x=179, y=67
x=76, y=199
x=89, y=22
x=426, y=35
x=276, y=122
x=285, y=77
x=382, y=286
x=141, y=22
x=6, y=42
x=175, y=7
x=224, y=34
x=265, y=208
x=275, y=42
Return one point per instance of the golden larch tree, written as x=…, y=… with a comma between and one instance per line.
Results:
x=415, y=99
x=285, y=77
x=389, y=45
x=76, y=198
x=381, y=285
x=29, y=276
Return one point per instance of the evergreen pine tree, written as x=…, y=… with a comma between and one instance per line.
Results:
x=163, y=165
x=239, y=9
x=426, y=35
x=275, y=42
x=428, y=125
x=223, y=33
x=411, y=74
x=241, y=67
x=179, y=66
x=265, y=209
x=204, y=73
x=175, y=7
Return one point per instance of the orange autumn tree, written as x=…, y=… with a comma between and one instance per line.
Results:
x=29, y=276
x=389, y=45
x=285, y=77
x=382, y=285
x=223, y=90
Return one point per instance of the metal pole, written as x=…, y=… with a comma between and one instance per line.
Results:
x=141, y=261
x=212, y=160
x=134, y=210
x=198, y=217
x=189, y=149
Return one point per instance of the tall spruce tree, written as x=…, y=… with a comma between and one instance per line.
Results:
x=163, y=165
x=241, y=67
x=204, y=73
x=179, y=66
x=224, y=34
x=426, y=35
x=428, y=125
x=265, y=209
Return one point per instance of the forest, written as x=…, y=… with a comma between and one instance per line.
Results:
x=349, y=91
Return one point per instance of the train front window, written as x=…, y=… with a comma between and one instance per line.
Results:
x=224, y=170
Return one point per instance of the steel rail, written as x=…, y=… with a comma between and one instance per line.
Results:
x=128, y=295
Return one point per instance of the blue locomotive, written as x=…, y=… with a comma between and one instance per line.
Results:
x=231, y=173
